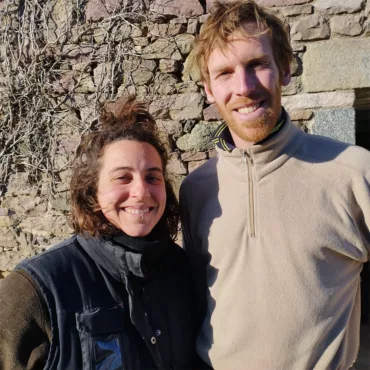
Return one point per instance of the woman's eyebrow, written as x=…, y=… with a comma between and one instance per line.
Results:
x=155, y=169
x=126, y=168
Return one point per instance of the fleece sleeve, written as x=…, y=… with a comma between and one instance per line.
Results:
x=25, y=330
x=193, y=250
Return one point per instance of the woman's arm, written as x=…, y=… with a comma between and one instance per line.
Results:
x=25, y=331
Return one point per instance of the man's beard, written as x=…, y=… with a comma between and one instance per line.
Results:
x=253, y=130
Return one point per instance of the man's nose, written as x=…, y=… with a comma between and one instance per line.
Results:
x=244, y=81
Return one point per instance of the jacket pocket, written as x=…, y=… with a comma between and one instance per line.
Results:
x=100, y=335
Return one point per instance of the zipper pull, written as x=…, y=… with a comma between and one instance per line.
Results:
x=245, y=156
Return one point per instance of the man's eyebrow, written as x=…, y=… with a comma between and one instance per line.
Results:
x=225, y=66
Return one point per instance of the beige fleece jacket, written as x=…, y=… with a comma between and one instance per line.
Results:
x=282, y=231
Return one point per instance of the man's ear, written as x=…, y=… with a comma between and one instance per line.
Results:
x=286, y=77
x=210, y=97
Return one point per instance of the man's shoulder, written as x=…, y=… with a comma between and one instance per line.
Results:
x=205, y=171
x=320, y=149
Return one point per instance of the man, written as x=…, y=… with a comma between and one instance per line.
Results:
x=277, y=225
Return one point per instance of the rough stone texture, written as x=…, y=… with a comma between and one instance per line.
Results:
x=178, y=107
x=335, y=6
x=338, y=124
x=298, y=115
x=184, y=43
x=295, y=66
x=193, y=26
x=193, y=156
x=199, y=139
x=172, y=128
x=351, y=61
x=190, y=72
x=97, y=10
x=194, y=165
x=211, y=113
x=367, y=29
x=175, y=165
x=165, y=83
x=187, y=87
x=290, y=11
x=74, y=81
x=348, y=25
x=168, y=65
x=320, y=100
x=187, y=8
x=162, y=49
x=293, y=88
x=313, y=27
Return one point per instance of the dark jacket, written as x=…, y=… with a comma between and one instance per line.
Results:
x=118, y=303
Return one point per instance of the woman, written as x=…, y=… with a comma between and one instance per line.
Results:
x=117, y=294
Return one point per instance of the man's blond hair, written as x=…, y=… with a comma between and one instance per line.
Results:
x=227, y=18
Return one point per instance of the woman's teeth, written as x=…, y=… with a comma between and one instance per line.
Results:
x=135, y=211
x=248, y=109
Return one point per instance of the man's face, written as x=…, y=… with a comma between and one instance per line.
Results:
x=246, y=86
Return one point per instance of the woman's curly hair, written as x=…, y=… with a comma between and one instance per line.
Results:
x=125, y=119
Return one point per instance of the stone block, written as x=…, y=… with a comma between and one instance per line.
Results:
x=299, y=115
x=187, y=87
x=189, y=8
x=194, y=165
x=336, y=7
x=46, y=225
x=184, y=43
x=140, y=41
x=348, y=25
x=293, y=88
x=187, y=106
x=164, y=84
x=172, y=128
x=190, y=71
x=338, y=99
x=175, y=165
x=338, y=124
x=162, y=49
x=193, y=26
x=18, y=185
x=169, y=65
x=211, y=113
x=199, y=139
x=291, y=11
x=313, y=27
x=193, y=156
x=351, y=60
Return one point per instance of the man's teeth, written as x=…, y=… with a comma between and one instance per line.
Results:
x=135, y=211
x=248, y=109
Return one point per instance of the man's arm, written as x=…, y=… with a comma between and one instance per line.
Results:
x=194, y=251
x=25, y=331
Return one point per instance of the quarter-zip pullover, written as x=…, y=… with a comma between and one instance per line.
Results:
x=277, y=237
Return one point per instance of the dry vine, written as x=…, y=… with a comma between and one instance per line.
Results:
x=40, y=93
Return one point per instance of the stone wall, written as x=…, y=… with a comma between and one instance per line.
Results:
x=59, y=59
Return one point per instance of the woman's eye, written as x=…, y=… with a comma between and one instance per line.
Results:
x=153, y=179
x=124, y=178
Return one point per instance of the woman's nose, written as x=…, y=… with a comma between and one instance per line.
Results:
x=139, y=189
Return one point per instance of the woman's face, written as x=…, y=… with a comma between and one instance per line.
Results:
x=131, y=188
